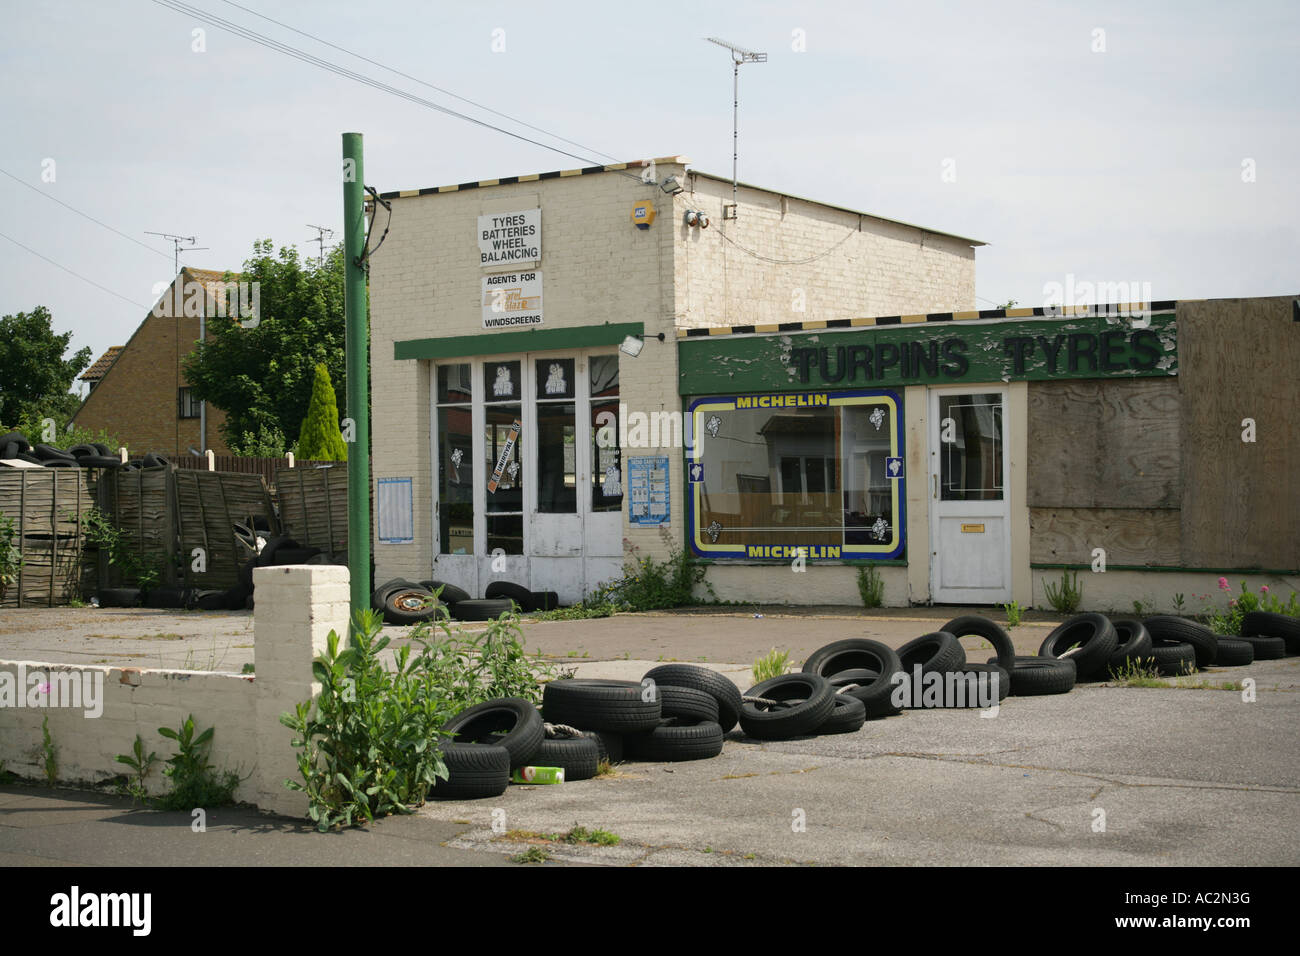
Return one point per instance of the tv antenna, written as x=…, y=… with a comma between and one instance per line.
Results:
x=739, y=55
x=321, y=233
x=176, y=246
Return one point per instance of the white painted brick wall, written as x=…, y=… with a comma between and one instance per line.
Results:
x=425, y=283
x=297, y=606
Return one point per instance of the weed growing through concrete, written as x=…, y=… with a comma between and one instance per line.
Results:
x=50, y=753
x=534, y=854
x=774, y=664
x=1066, y=597
x=870, y=586
x=195, y=782
x=1014, y=611
x=140, y=764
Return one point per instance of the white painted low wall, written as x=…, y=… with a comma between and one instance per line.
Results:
x=297, y=607
x=818, y=584
x=1116, y=590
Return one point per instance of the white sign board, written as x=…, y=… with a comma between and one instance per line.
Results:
x=510, y=238
x=512, y=300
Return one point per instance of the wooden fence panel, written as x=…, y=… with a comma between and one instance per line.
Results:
x=208, y=503
x=314, y=506
x=47, y=507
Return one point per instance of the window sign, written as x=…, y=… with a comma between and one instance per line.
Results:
x=814, y=475
x=647, y=490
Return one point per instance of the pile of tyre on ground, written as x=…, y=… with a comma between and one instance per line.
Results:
x=15, y=445
x=409, y=602
x=682, y=711
x=265, y=553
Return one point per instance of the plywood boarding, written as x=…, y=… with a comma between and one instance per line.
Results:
x=314, y=506
x=1105, y=444
x=208, y=503
x=1128, y=536
x=47, y=507
x=1241, y=500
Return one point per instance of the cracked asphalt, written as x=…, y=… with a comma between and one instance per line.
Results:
x=1108, y=776
x=1103, y=775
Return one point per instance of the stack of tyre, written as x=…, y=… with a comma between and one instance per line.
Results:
x=15, y=446
x=402, y=601
x=1100, y=647
x=875, y=674
x=679, y=712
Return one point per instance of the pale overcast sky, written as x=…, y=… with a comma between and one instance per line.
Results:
x=1124, y=164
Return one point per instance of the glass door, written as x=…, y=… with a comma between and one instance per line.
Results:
x=970, y=526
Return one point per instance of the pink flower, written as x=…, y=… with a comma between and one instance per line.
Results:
x=1263, y=589
x=1223, y=584
x=1232, y=604
x=44, y=688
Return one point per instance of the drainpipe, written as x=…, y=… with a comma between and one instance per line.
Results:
x=203, y=406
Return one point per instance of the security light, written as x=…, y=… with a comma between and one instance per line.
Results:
x=672, y=186
x=633, y=344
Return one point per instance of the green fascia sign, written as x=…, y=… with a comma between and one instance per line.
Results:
x=933, y=353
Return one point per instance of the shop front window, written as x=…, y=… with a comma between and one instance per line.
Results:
x=606, y=458
x=817, y=475
x=557, y=467
x=503, y=450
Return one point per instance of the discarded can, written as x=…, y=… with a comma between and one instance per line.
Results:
x=538, y=775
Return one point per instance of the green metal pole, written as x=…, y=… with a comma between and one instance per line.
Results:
x=358, y=372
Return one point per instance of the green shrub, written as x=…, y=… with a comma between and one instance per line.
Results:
x=11, y=561
x=1066, y=598
x=870, y=586
x=102, y=531
x=370, y=745
x=648, y=585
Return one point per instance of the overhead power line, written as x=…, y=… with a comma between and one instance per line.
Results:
x=323, y=64
x=73, y=273
x=83, y=215
x=416, y=79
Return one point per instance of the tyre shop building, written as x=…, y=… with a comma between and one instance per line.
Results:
x=807, y=396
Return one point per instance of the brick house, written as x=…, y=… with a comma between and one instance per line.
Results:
x=138, y=391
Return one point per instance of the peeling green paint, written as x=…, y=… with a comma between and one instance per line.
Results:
x=947, y=353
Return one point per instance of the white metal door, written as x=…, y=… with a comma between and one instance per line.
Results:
x=970, y=514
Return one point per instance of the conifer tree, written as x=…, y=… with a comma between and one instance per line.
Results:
x=320, y=438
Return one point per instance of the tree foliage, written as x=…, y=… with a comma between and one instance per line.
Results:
x=320, y=438
x=261, y=376
x=35, y=378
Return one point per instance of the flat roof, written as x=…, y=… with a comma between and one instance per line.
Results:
x=641, y=164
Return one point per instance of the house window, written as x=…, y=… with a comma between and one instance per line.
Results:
x=817, y=475
x=189, y=405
